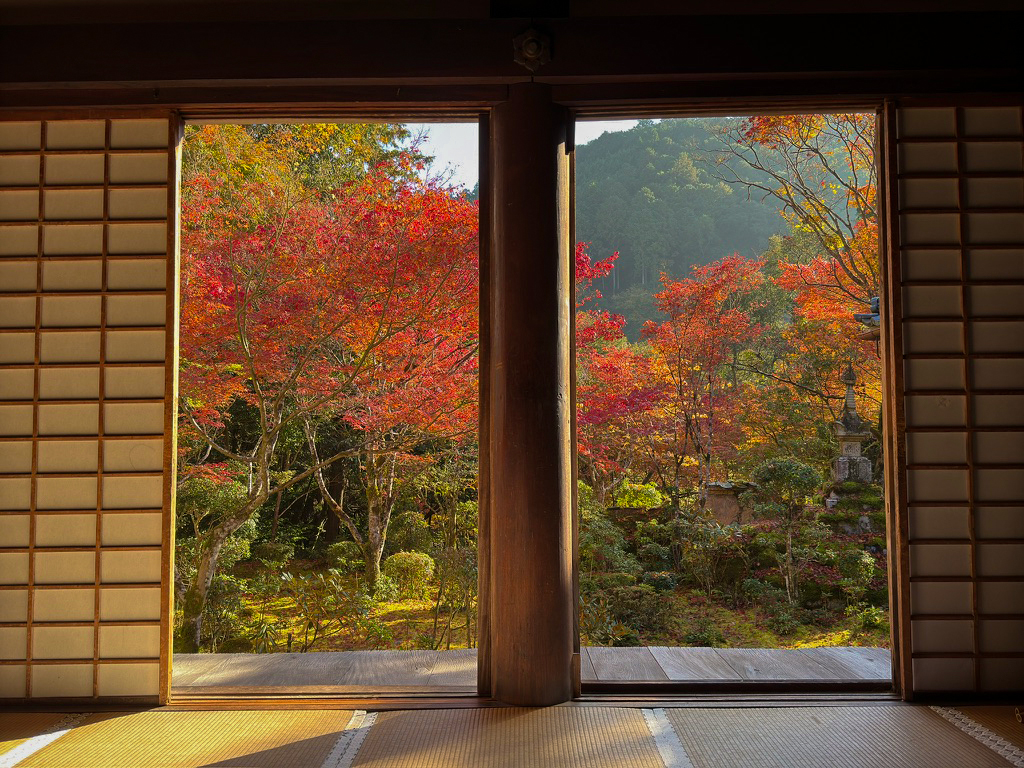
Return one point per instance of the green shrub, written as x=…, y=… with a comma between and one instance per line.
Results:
x=704, y=634
x=857, y=569
x=345, y=556
x=761, y=592
x=272, y=553
x=602, y=542
x=386, y=590
x=629, y=639
x=639, y=496
x=711, y=555
x=597, y=625
x=662, y=581
x=408, y=532
x=223, y=623
x=411, y=572
x=868, y=616
x=590, y=582
x=653, y=541
x=783, y=619
x=639, y=607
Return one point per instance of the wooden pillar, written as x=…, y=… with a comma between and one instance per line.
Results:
x=531, y=595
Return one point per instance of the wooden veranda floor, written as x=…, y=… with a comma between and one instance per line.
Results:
x=454, y=672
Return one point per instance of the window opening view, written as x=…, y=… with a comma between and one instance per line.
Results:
x=327, y=439
x=731, y=517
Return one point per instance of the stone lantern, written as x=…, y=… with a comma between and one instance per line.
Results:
x=851, y=432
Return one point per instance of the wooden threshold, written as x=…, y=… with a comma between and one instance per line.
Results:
x=658, y=688
x=739, y=700
x=316, y=691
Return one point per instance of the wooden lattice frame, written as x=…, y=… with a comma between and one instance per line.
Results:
x=109, y=408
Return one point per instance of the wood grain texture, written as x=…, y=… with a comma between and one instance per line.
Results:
x=326, y=671
x=855, y=663
x=531, y=605
x=423, y=671
x=455, y=668
x=693, y=663
x=894, y=405
x=626, y=664
x=774, y=664
x=587, y=671
x=483, y=485
x=478, y=49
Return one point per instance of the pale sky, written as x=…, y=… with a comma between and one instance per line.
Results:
x=454, y=145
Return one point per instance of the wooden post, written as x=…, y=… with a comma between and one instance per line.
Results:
x=531, y=595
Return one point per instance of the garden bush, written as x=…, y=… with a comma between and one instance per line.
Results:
x=597, y=625
x=408, y=532
x=710, y=554
x=783, y=619
x=411, y=572
x=273, y=554
x=639, y=496
x=345, y=556
x=662, y=581
x=639, y=607
x=653, y=541
x=602, y=544
x=704, y=634
x=386, y=589
x=591, y=582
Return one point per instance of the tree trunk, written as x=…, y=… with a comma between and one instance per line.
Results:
x=277, y=517
x=194, y=601
x=379, y=476
x=790, y=571
x=195, y=596
x=372, y=570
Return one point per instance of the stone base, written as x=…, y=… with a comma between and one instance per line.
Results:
x=855, y=469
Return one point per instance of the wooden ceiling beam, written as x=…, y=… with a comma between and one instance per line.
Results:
x=480, y=51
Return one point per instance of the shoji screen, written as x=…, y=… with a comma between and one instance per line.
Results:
x=961, y=241
x=87, y=303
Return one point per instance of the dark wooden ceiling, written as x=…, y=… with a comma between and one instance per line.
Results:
x=124, y=11
x=106, y=52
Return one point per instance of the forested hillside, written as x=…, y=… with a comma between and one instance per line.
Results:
x=652, y=194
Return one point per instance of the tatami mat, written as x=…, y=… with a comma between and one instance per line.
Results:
x=560, y=737
x=275, y=739
x=1001, y=720
x=838, y=737
x=18, y=727
x=566, y=737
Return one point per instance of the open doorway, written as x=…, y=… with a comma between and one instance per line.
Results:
x=729, y=400
x=327, y=457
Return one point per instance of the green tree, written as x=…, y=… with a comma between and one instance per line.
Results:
x=782, y=492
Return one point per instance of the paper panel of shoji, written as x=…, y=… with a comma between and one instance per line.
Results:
x=960, y=193
x=86, y=281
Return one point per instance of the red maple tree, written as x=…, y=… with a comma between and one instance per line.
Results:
x=303, y=310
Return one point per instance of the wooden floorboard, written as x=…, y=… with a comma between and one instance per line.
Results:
x=307, y=691
x=626, y=664
x=587, y=671
x=454, y=668
x=389, y=668
x=774, y=664
x=214, y=668
x=681, y=664
x=855, y=663
x=345, y=672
